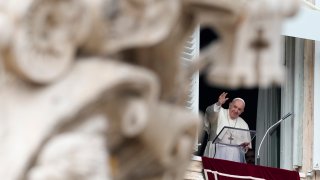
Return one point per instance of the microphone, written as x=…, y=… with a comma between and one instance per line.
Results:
x=283, y=118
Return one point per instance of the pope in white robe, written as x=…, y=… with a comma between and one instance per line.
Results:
x=233, y=143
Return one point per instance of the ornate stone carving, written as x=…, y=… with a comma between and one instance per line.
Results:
x=247, y=52
x=96, y=90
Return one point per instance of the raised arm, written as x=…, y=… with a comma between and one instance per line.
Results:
x=212, y=111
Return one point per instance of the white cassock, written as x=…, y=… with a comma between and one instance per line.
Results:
x=217, y=118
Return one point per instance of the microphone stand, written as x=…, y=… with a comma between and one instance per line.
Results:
x=258, y=154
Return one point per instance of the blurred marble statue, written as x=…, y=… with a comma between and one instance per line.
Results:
x=95, y=89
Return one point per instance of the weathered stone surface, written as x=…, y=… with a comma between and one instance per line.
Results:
x=96, y=90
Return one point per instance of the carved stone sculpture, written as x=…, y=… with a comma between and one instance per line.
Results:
x=247, y=52
x=96, y=90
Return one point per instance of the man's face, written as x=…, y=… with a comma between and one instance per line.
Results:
x=235, y=109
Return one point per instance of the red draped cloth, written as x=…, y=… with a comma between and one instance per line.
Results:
x=217, y=169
